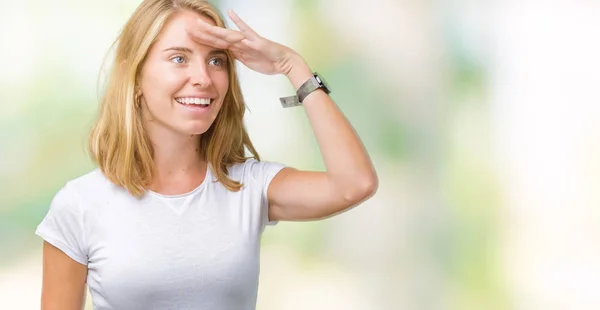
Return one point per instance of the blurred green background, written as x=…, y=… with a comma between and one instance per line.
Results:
x=481, y=117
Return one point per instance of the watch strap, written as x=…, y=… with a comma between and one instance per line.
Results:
x=305, y=89
x=290, y=101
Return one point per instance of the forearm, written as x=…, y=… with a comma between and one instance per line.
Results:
x=348, y=165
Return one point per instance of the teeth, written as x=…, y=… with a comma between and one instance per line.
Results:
x=189, y=100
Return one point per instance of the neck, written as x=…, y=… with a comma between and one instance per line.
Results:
x=178, y=167
x=177, y=156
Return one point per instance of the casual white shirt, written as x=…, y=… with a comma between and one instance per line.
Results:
x=198, y=250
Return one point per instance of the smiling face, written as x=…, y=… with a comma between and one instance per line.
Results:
x=182, y=83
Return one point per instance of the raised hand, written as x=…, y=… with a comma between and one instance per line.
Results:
x=254, y=51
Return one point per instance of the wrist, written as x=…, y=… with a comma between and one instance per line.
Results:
x=299, y=73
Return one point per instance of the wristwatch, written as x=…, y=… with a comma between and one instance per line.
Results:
x=312, y=84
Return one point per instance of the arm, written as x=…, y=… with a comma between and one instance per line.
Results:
x=292, y=194
x=63, y=284
x=349, y=177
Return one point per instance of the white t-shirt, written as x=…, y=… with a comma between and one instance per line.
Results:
x=198, y=250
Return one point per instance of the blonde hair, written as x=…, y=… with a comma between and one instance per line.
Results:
x=118, y=141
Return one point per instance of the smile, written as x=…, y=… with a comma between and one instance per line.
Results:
x=194, y=101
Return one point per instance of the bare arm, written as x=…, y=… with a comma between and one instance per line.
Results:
x=349, y=177
x=63, y=284
x=293, y=195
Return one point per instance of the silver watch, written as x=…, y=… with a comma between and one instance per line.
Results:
x=312, y=84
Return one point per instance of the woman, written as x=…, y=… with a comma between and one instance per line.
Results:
x=173, y=216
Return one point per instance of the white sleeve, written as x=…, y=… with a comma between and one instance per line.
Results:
x=262, y=172
x=62, y=226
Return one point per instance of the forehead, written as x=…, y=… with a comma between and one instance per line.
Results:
x=174, y=31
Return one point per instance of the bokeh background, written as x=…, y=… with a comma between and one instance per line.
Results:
x=482, y=118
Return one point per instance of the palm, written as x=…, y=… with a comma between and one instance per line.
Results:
x=254, y=51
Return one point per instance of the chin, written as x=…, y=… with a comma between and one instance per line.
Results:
x=197, y=129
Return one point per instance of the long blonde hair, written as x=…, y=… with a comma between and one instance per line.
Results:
x=118, y=142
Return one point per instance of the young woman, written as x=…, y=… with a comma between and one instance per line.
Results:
x=172, y=217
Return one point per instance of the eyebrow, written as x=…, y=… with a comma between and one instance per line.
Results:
x=178, y=48
x=217, y=52
x=188, y=50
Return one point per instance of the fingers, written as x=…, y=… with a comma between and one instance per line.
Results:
x=242, y=46
x=218, y=37
x=207, y=39
x=244, y=28
x=228, y=35
x=205, y=33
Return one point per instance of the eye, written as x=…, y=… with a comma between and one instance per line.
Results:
x=178, y=59
x=217, y=62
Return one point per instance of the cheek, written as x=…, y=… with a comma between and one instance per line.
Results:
x=222, y=88
x=164, y=85
x=159, y=83
x=221, y=83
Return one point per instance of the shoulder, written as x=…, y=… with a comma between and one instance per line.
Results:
x=67, y=202
x=90, y=184
x=252, y=169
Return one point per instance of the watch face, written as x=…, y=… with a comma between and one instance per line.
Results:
x=323, y=83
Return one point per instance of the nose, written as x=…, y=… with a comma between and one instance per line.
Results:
x=199, y=76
